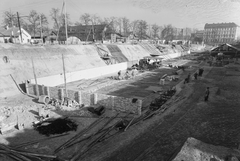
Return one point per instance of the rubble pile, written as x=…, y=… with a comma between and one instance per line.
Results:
x=57, y=126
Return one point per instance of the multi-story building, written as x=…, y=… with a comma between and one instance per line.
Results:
x=219, y=33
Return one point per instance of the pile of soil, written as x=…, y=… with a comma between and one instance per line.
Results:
x=57, y=126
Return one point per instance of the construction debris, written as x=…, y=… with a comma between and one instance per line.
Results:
x=57, y=126
x=98, y=111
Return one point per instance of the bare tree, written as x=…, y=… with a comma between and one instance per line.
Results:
x=142, y=29
x=155, y=30
x=85, y=19
x=56, y=17
x=134, y=26
x=10, y=19
x=63, y=19
x=111, y=22
x=44, y=23
x=168, y=32
x=38, y=22
x=33, y=18
x=96, y=20
x=125, y=26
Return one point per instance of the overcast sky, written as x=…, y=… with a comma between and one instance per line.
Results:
x=179, y=13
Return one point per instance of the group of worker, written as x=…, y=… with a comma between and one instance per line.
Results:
x=196, y=74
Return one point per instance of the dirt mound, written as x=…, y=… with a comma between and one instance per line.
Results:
x=194, y=150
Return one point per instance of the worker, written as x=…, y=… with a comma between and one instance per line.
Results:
x=207, y=94
x=200, y=72
x=195, y=75
x=188, y=78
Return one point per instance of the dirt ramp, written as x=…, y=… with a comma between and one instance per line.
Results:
x=133, y=52
x=116, y=52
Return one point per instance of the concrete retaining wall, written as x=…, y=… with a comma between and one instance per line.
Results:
x=111, y=102
x=55, y=80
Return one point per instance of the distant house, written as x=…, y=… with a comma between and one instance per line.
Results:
x=12, y=35
x=86, y=32
x=36, y=37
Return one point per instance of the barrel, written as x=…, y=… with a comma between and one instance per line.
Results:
x=43, y=99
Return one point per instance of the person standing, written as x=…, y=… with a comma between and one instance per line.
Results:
x=207, y=94
x=195, y=75
x=188, y=78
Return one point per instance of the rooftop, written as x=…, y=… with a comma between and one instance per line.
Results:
x=220, y=25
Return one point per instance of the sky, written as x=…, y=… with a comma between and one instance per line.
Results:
x=179, y=13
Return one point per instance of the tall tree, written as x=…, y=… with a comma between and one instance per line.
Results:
x=142, y=29
x=63, y=19
x=96, y=20
x=155, y=30
x=44, y=23
x=38, y=22
x=56, y=17
x=33, y=18
x=111, y=22
x=134, y=26
x=125, y=26
x=85, y=19
x=168, y=32
x=9, y=19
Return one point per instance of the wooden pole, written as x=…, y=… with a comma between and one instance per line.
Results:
x=19, y=25
x=35, y=77
x=64, y=73
x=40, y=17
x=66, y=20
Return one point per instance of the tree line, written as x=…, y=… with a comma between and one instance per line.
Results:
x=35, y=21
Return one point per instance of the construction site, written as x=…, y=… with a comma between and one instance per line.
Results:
x=117, y=102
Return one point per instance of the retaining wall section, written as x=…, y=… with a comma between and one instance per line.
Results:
x=122, y=104
x=56, y=80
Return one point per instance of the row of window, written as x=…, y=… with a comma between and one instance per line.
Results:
x=221, y=32
x=225, y=35
x=222, y=29
x=219, y=40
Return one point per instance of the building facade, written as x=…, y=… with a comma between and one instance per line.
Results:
x=220, y=33
x=12, y=35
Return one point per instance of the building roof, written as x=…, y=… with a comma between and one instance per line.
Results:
x=220, y=25
x=227, y=45
x=84, y=32
x=9, y=32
